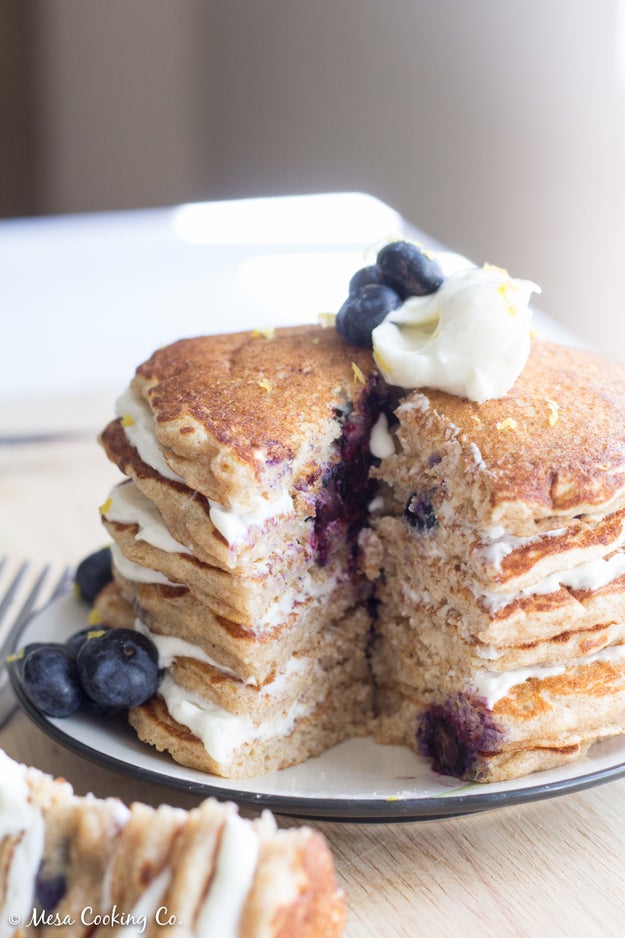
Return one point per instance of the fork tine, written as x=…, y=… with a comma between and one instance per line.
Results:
x=12, y=589
x=30, y=601
x=40, y=590
x=63, y=583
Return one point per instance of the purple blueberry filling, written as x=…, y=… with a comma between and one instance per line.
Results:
x=341, y=505
x=49, y=890
x=455, y=734
x=419, y=512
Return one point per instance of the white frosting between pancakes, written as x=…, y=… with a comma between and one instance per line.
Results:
x=232, y=523
x=222, y=732
x=22, y=819
x=221, y=910
x=493, y=686
x=126, y=504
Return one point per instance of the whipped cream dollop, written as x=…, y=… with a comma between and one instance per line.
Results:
x=470, y=338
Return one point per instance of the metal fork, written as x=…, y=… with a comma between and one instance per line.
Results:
x=26, y=591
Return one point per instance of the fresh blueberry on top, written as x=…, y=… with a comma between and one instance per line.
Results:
x=362, y=312
x=93, y=573
x=409, y=270
x=363, y=277
x=419, y=512
x=119, y=668
x=50, y=680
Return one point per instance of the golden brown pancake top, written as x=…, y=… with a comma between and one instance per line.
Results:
x=555, y=443
x=252, y=393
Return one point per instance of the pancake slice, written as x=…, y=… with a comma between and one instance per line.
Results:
x=235, y=541
x=96, y=867
x=499, y=571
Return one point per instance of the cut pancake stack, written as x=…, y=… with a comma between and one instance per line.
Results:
x=465, y=595
x=500, y=572
x=234, y=544
x=73, y=866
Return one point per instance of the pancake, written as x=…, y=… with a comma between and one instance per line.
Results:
x=240, y=415
x=594, y=593
x=97, y=867
x=550, y=450
x=253, y=655
x=345, y=714
x=187, y=515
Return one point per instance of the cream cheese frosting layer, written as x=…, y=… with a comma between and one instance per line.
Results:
x=222, y=732
x=234, y=524
x=21, y=819
x=145, y=908
x=127, y=505
x=170, y=647
x=221, y=911
x=135, y=572
x=592, y=575
x=494, y=686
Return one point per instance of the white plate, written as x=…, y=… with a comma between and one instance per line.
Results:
x=355, y=781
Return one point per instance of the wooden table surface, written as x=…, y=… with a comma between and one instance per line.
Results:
x=553, y=867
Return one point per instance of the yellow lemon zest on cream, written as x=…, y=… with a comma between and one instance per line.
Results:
x=495, y=269
x=268, y=332
x=326, y=320
x=358, y=375
x=16, y=656
x=96, y=633
x=508, y=424
x=381, y=361
x=94, y=618
x=267, y=385
x=128, y=421
x=553, y=412
x=106, y=507
x=504, y=290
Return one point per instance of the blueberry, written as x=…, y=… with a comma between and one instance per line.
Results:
x=75, y=642
x=419, y=512
x=363, y=277
x=361, y=313
x=93, y=573
x=450, y=754
x=100, y=709
x=408, y=270
x=51, y=681
x=49, y=889
x=119, y=669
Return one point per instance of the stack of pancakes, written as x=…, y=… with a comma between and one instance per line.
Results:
x=75, y=866
x=500, y=571
x=235, y=543
x=468, y=584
